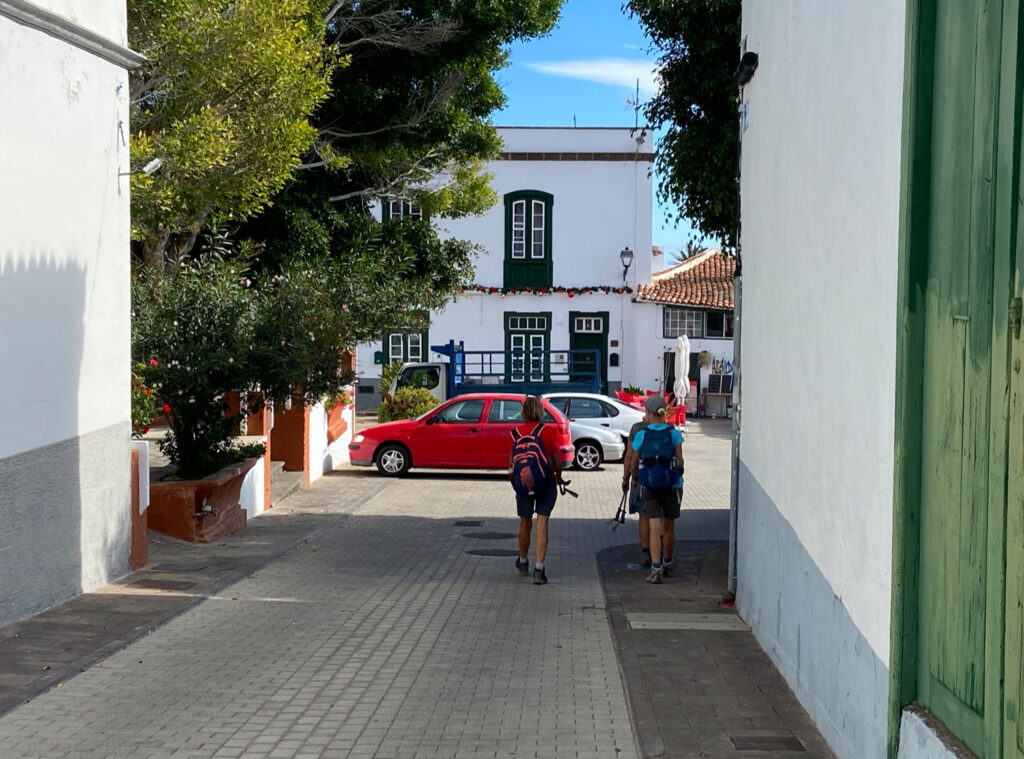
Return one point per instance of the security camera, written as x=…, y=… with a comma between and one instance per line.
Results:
x=152, y=167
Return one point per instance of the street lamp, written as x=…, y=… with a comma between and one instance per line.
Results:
x=626, y=256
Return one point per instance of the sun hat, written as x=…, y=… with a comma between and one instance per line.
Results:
x=656, y=405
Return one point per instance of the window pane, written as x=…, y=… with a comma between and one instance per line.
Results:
x=462, y=412
x=395, y=352
x=415, y=212
x=586, y=408
x=395, y=209
x=506, y=411
x=559, y=403
x=682, y=321
x=519, y=229
x=415, y=347
x=715, y=324
x=538, y=229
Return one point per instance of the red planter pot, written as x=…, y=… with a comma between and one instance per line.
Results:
x=200, y=511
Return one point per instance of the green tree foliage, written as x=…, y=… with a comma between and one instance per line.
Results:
x=380, y=275
x=224, y=102
x=412, y=109
x=699, y=42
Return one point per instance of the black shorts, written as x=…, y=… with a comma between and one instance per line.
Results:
x=662, y=504
x=541, y=502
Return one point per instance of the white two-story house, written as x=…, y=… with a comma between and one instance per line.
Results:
x=552, y=273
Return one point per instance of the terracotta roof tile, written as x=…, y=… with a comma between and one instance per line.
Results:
x=705, y=281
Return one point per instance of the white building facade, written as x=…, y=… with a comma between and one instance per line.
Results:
x=569, y=202
x=880, y=455
x=64, y=301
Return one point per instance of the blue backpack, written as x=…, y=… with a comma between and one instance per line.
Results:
x=531, y=468
x=658, y=469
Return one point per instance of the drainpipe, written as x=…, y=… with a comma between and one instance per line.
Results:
x=748, y=64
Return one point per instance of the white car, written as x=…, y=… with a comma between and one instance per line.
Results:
x=597, y=411
x=594, y=445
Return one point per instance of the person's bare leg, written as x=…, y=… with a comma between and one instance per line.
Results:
x=643, y=531
x=668, y=538
x=525, y=525
x=542, y=538
x=656, y=529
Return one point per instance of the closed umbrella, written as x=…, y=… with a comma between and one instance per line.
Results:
x=681, y=387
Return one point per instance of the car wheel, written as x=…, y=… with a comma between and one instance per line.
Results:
x=588, y=455
x=393, y=460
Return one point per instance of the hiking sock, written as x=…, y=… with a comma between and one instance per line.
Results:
x=539, y=565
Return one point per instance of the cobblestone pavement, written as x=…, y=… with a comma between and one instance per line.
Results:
x=382, y=628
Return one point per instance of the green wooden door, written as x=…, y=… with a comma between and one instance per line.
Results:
x=589, y=331
x=961, y=298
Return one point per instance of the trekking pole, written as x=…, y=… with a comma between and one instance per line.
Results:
x=620, y=515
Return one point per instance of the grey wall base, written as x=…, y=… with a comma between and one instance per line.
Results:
x=65, y=511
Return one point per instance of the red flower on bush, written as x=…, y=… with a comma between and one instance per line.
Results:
x=153, y=361
x=571, y=293
x=167, y=408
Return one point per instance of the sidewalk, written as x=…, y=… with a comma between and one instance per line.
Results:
x=46, y=650
x=369, y=617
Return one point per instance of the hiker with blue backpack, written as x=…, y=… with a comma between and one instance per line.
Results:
x=659, y=460
x=536, y=471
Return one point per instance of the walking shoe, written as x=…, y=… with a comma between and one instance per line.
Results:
x=668, y=567
x=539, y=578
x=646, y=563
x=523, y=567
x=654, y=576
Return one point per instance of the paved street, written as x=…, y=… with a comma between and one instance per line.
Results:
x=388, y=632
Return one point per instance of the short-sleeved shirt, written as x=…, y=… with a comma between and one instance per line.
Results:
x=548, y=438
x=638, y=438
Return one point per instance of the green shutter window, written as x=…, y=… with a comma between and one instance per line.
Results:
x=528, y=239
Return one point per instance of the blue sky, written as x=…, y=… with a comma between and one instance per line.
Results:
x=587, y=68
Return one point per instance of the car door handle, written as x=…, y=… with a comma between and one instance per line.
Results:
x=605, y=424
x=474, y=429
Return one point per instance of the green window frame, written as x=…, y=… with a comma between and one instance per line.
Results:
x=407, y=347
x=396, y=208
x=528, y=224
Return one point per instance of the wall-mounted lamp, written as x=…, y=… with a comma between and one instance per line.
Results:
x=745, y=71
x=149, y=169
x=626, y=256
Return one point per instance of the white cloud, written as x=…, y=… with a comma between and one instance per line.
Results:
x=619, y=72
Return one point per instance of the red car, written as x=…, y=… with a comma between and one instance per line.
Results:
x=467, y=432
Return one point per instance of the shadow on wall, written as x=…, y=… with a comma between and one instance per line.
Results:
x=42, y=308
x=804, y=626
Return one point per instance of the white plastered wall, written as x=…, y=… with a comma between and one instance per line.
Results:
x=820, y=202
x=64, y=307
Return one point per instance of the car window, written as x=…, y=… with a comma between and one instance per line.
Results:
x=585, y=408
x=423, y=376
x=503, y=410
x=609, y=409
x=547, y=416
x=559, y=403
x=461, y=412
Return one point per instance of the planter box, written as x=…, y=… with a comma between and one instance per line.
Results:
x=201, y=511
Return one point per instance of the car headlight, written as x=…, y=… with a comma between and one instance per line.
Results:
x=358, y=439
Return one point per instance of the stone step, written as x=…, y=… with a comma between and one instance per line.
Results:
x=276, y=469
x=284, y=485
